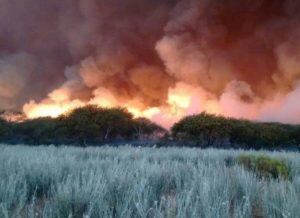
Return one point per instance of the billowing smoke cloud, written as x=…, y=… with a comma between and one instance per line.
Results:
x=160, y=59
x=15, y=73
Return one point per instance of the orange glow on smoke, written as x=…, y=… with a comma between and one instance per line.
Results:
x=187, y=57
x=182, y=100
x=47, y=109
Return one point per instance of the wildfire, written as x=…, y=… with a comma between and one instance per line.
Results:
x=185, y=58
x=12, y=116
x=49, y=109
x=182, y=100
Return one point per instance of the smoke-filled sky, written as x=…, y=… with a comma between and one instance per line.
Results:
x=162, y=59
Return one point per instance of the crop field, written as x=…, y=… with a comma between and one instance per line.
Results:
x=144, y=182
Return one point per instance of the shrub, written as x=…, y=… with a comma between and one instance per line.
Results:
x=85, y=125
x=265, y=166
x=36, y=131
x=207, y=128
x=272, y=167
x=4, y=129
x=247, y=161
x=218, y=131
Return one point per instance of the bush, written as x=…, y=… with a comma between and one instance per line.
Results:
x=218, y=131
x=90, y=125
x=5, y=130
x=36, y=131
x=208, y=129
x=265, y=166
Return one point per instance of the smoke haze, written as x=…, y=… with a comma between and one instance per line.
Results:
x=162, y=59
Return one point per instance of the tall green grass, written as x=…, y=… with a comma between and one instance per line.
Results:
x=145, y=182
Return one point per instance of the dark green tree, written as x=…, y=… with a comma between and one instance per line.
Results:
x=145, y=128
x=5, y=130
x=206, y=128
x=80, y=124
x=36, y=131
x=93, y=123
x=212, y=130
x=115, y=122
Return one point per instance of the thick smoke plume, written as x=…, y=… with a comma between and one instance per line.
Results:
x=162, y=59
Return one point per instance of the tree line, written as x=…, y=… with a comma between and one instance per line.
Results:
x=208, y=130
x=82, y=126
x=94, y=125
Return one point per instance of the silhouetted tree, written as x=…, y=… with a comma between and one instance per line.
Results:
x=5, y=131
x=93, y=123
x=35, y=131
x=145, y=128
x=206, y=128
x=215, y=130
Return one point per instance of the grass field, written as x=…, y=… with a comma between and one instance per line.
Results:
x=141, y=182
